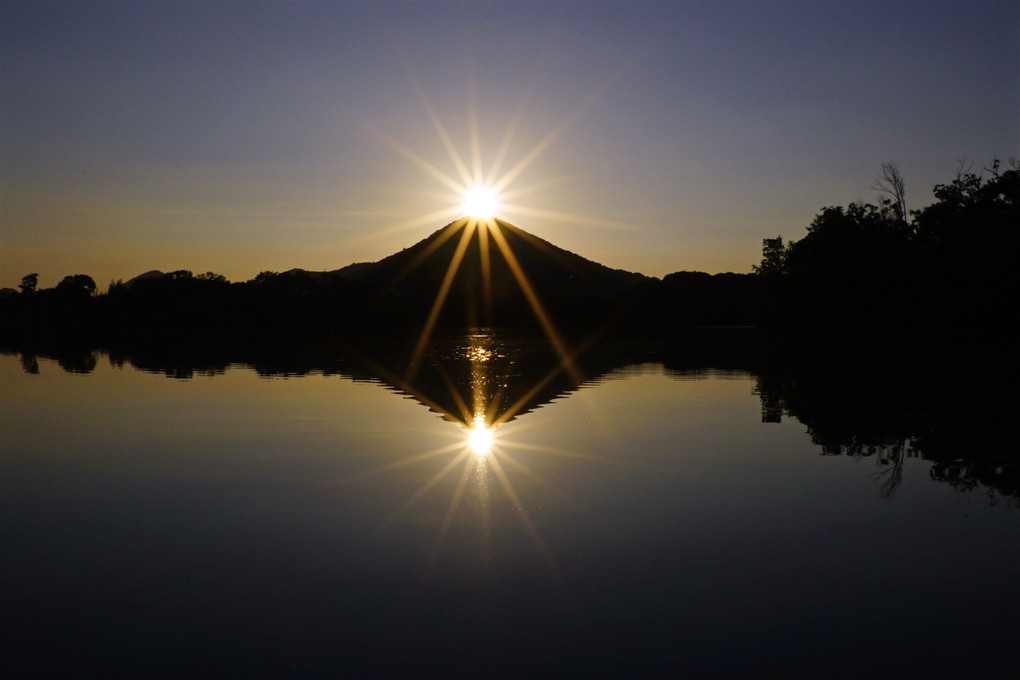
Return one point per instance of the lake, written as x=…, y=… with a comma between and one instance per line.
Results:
x=481, y=510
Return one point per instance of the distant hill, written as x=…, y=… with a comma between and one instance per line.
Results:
x=147, y=276
x=352, y=271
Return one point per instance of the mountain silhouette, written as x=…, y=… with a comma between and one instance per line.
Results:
x=425, y=263
x=489, y=268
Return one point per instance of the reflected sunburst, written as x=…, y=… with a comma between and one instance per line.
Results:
x=480, y=385
x=480, y=437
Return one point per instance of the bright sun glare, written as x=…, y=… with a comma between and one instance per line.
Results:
x=480, y=437
x=481, y=202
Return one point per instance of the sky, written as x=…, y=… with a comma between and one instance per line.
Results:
x=240, y=137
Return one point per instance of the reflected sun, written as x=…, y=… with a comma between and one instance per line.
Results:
x=480, y=437
x=480, y=202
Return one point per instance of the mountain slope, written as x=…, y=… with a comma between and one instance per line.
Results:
x=493, y=267
x=548, y=267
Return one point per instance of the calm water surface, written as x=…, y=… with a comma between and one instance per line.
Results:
x=315, y=523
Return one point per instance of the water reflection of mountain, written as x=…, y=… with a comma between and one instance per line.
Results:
x=460, y=376
x=884, y=405
x=484, y=378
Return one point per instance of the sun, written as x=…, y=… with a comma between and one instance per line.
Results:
x=480, y=202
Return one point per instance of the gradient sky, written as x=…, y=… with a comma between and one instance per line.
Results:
x=654, y=137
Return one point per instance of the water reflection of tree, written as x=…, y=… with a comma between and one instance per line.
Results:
x=30, y=363
x=77, y=361
x=891, y=406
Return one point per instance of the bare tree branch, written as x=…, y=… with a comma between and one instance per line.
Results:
x=892, y=184
x=963, y=167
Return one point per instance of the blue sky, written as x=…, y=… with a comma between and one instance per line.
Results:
x=655, y=137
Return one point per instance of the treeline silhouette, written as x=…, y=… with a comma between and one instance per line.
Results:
x=950, y=267
x=865, y=268
x=205, y=307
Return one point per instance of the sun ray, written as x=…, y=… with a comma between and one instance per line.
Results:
x=451, y=510
x=522, y=191
x=511, y=131
x=455, y=394
x=590, y=457
x=435, y=479
x=551, y=137
x=396, y=465
x=434, y=245
x=468, y=415
x=445, y=214
x=532, y=155
x=529, y=525
x=493, y=406
x=507, y=459
x=444, y=289
x=563, y=453
x=535, y=73
x=567, y=122
x=483, y=253
x=474, y=132
x=496, y=399
x=536, y=305
x=444, y=136
x=566, y=217
x=504, y=148
x=416, y=159
x=527, y=396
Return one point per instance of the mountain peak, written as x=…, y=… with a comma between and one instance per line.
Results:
x=492, y=245
x=488, y=271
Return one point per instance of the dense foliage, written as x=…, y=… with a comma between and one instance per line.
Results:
x=951, y=266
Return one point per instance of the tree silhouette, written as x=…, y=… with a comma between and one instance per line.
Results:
x=849, y=269
x=77, y=286
x=773, y=257
x=29, y=283
x=891, y=183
